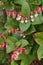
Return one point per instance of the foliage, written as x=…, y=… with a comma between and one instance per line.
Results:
x=21, y=31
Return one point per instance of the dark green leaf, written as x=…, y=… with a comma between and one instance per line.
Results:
x=30, y=30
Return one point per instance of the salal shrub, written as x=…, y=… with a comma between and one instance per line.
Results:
x=21, y=31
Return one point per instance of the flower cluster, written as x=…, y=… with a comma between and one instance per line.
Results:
x=20, y=17
x=33, y=15
x=40, y=9
x=17, y=15
x=3, y=36
x=17, y=52
x=16, y=31
x=3, y=45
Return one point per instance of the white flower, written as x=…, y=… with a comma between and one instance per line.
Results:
x=36, y=15
x=32, y=19
x=18, y=18
x=22, y=21
x=31, y=16
x=21, y=34
x=24, y=36
x=26, y=21
x=15, y=55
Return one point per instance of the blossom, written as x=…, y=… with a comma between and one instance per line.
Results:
x=19, y=15
x=3, y=45
x=35, y=13
x=14, y=13
x=14, y=55
x=17, y=52
x=8, y=12
x=3, y=36
x=42, y=8
x=11, y=31
x=39, y=9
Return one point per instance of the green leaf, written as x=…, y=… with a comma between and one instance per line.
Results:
x=35, y=2
x=24, y=26
x=10, y=48
x=37, y=21
x=28, y=48
x=1, y=40
x=4, y=0
x=11, y=40
x=11, y=23
x=42, y=2
x=13, y=63
x=39, y=27
x=25, y=9
x=30, y=30
x=20, y=2
x=39, y=38
x=9, y=5
x=22, y=43
x=27, y=60
x=1, y=6
x=17, y=35
x=40, y=52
